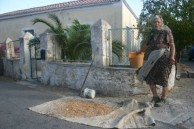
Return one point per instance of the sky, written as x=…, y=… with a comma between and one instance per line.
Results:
x=13, y=5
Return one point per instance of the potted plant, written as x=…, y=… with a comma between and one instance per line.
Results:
x=136, y=59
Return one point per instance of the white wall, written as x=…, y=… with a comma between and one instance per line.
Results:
x=88, y=15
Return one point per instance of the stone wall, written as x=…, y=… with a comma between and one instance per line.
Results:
x=12, y=68
x=109, y=81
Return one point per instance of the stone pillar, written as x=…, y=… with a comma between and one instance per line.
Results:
x=10, y=53
x=51, y=47
x=99, y=38
x=25, y=56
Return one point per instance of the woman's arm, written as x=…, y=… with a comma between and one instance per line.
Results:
x=172, y=53
x=170, y=40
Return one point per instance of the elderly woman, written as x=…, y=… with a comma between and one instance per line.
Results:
x=157, y=69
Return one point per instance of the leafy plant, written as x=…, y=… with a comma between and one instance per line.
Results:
x=35, y=42
x=56, y=28
x=78, y=41
x=74, y=40
x=117, y=48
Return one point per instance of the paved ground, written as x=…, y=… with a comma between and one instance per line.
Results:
x=15, y=100
x=179, y=109
x=16, y=97
x=188, y=63
x=189, y=67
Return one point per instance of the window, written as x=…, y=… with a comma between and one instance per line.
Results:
x=30, y=31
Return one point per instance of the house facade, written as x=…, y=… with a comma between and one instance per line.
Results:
x=116, y=12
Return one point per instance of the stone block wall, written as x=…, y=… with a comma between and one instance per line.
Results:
x=12, y=68
x=107, y=81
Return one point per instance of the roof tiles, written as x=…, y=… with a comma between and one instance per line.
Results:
x=65, y=5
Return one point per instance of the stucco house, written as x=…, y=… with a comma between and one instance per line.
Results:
x=116, y=12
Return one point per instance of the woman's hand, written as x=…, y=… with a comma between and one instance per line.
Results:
x=172, y=53
x=172, y=60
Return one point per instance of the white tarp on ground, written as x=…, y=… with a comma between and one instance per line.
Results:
x=177, y=112
x=129, y=114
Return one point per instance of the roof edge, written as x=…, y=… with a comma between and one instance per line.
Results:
x=124, y=1
x=34, y=11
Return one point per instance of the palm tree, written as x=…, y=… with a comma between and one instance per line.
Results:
x=79, y=45
x=117, y=48
x=74, y=40
x=56, y=28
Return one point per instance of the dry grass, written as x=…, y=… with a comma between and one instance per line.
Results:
x=80, y=108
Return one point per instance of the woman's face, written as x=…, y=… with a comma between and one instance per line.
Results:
x=157, y=23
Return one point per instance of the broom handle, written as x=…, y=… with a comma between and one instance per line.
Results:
x=88, y=71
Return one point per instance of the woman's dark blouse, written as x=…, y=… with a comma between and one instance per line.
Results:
x=163, y=36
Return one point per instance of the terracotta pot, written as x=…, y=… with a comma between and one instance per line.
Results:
x=136, y=59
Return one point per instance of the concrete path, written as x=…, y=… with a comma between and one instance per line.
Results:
x=16, y=97
x=188, y=68
x=179, y=111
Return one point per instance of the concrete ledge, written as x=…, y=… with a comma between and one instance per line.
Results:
x=184, y=74
x=191, y=74
x=184, y=71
